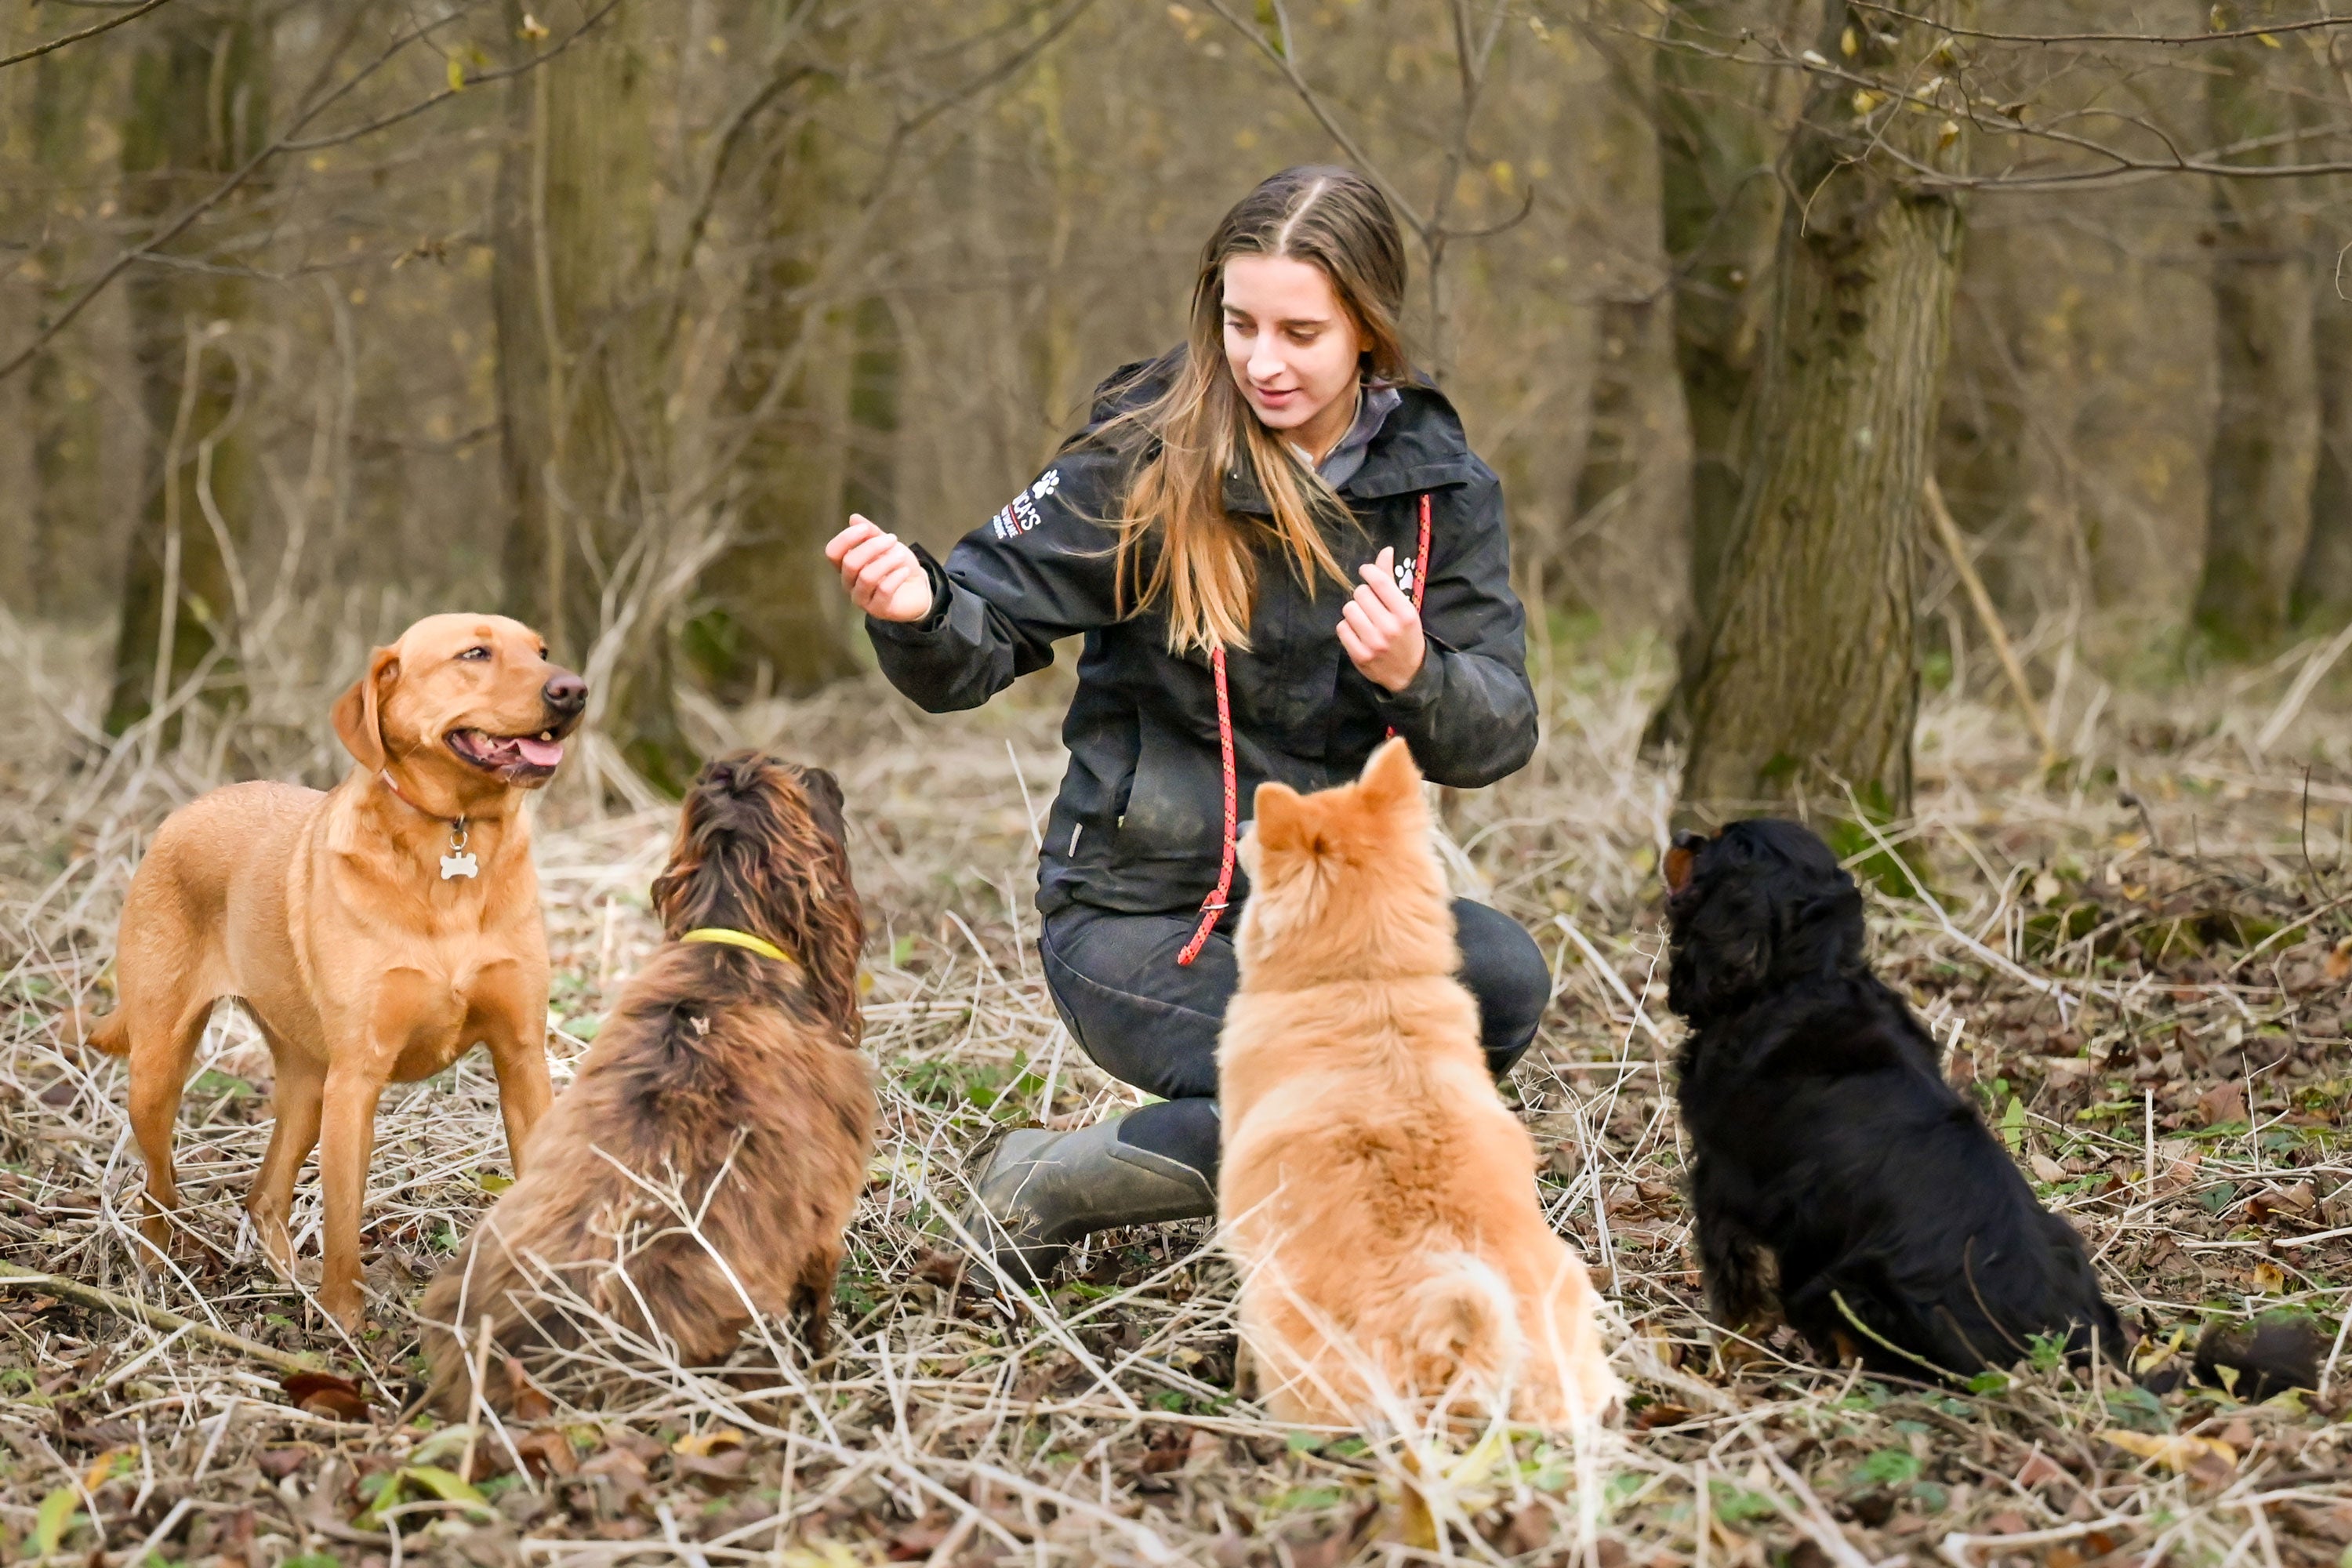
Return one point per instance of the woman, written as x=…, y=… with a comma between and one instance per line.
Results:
x=1194, y=534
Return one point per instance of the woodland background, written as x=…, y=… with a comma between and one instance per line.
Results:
x=317, y=316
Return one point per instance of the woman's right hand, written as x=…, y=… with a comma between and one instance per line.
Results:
x=884, y=578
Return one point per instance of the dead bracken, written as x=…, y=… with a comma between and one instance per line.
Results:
x=2149, y=1000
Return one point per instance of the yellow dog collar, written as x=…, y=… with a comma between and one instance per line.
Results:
x=742, y=939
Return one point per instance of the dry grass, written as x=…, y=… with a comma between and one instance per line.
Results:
x=2125, y=985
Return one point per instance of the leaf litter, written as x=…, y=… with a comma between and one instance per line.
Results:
x=2137, y=961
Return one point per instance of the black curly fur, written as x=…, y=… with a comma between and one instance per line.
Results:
x=1834, y=1166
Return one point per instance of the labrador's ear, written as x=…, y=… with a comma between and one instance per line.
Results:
x=357, y=714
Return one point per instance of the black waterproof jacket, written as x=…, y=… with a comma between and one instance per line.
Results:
x=1139, y=825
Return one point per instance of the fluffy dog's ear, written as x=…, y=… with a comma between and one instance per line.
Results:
x=1276, y=812
x=825, y=801
x=1390, y=778
x=358, y=712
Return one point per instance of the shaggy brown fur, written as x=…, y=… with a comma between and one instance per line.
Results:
x=726, y=1077
x=1377, y=1194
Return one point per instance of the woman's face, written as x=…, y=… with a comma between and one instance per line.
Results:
x=1292, y=346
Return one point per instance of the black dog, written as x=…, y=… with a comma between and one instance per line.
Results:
x=1829, y=1147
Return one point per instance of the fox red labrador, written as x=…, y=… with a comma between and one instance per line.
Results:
x=374, y=932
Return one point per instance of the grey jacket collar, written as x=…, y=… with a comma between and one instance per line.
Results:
x=1340, y=463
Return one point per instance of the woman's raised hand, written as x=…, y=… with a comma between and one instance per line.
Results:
x=1382, y=630
x=884, y=578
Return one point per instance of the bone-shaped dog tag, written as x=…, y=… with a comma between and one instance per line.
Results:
x=459, y=865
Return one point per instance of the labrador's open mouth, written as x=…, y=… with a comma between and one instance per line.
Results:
x=518, y=759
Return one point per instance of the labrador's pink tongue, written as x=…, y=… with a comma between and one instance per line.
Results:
x=540, y=754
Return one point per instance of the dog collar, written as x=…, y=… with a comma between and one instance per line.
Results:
x=457, y=862
x=742, y=939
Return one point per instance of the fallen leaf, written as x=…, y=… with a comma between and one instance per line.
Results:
x=944, y=1269
x=532, y=1403
x=702, y=1445
x=1530, y=1528
x=324, y=1393
x=2269, y=1280
x=2039, y=1467
x=548, y=1452
x=2223, y=1102
x=624, y=1469
x=114, y=1461
x=2181, y=1453
x=2047, y=1169
x=1651, y=1416
x=2300, y=1198
x=54, y=1521
x=917, y=1542
x=448, y=1486
x=280, y=1463
x=720, y=1472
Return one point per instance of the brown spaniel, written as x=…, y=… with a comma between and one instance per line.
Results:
x=704, y=1164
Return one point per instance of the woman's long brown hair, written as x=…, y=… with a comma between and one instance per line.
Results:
x=1204, y=567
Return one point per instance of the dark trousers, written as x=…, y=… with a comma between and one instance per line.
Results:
x=1148, y=1021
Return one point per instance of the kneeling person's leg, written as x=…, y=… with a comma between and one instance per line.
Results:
x=1504, y=969
x=1150, y=1022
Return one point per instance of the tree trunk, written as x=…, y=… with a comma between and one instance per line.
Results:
x=1809, y=684
x=582, y=381
x=1632, y=494
x=2266, y=431
x=2323, y=590
x=778, y=621
x=65, y=575
x=870, y=478
x=199, y=107
x=1721, y=206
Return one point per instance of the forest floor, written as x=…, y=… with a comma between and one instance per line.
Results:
x=2138, y=959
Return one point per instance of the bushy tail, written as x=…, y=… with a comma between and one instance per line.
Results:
x=484, y=1281
x=1463, y=1325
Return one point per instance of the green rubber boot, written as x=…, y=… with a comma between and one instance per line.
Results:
x=1042, y=1191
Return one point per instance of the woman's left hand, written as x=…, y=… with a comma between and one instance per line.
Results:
x=1382, y=630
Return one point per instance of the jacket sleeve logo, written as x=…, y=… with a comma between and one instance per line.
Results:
x=1021, y=515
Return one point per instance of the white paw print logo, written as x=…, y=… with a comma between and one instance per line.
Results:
x=1047, y=486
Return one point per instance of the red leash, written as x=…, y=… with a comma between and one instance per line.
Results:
x=1213, y=908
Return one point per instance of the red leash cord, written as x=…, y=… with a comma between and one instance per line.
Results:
x=1213, y=908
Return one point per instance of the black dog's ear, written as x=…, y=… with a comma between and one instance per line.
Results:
x=1723, y=951
x=1823, y=931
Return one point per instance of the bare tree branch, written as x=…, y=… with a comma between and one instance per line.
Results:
x=2317, y=24
x=1284, y=62
x=37, y=50
x=283, y=142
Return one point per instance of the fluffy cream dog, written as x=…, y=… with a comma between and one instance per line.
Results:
x=1378, y=1196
